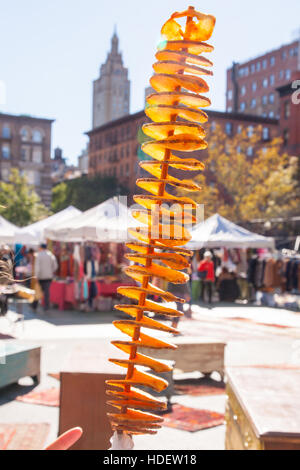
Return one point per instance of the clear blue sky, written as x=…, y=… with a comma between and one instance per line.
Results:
x=51, y=51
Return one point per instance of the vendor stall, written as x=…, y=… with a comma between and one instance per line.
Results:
x=7, y=231
x=217, y=231
x=34, y=234
x=107, y=222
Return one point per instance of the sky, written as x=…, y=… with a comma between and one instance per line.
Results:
x=51, y=51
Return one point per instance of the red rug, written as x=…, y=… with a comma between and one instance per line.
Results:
x=198, y=390
x=48, y=397
x=191, y=419
x=23, y=436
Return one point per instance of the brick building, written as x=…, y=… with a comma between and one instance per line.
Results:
x=114, y=148
x=251, y=86
x=25, y=143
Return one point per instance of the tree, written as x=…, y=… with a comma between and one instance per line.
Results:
x=85, y=192
x=242, y=187
x=20, y=203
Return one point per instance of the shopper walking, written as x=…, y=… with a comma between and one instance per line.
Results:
x=45, y=267
x=206, y=272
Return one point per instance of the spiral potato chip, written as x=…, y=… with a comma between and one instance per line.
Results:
x=156, y=251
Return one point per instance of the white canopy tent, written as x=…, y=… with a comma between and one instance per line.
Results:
x=107, y=222
x=7, y=231
x=217, y=231
x=35, y=233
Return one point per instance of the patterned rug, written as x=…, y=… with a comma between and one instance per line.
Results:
x=191, y=419
x=198, y=390
x=48, y=397
x=23, y=436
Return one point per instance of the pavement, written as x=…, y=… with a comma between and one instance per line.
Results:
x=254, y=335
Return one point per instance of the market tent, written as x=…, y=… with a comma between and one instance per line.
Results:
x=7, y=231
x=35, y=233
x=107, y=222
x=217, y=231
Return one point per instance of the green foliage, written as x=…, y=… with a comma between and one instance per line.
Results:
x=85, y=192
x=21, y=204
x=242, y=187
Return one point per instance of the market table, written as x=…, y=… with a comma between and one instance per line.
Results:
x=262, y=411
x=62, y=293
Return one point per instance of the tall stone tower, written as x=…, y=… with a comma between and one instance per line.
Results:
x=111, y=91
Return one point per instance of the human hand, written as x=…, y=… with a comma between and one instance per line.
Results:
x=66, y=440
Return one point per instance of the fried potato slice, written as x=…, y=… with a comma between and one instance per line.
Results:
x=193, y=47
x=149, y=202
x=165, y=82
x=192, y=100
x=139, y=405
x=173, y=235
x=172, y=67
x=142, y=378
x=182, y=56
x=140, y=248
x=164, y=216
x=138, y=395
x=200, y=30
x=136, y=292
x=162, y=130
x=146, y=341
x=139, y=416
x=145, y=361
x=132, y=430
x=150, y=306
x=187, y=164
x=171, y=30
x=170, y=275
x=163, y=113
x=170, y=259
x=153, y=185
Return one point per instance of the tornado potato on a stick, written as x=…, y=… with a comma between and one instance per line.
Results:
x=179, y=87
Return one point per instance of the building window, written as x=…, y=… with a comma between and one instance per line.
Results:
x=250, y=151
x=229, y=109
x=285, y=137
x=243, y=90
x=291, y=52
x=253, y=103
x=272, y=61
x=284, y=55
x=37, y=155
x=266, y=133
x=288, y=74
x=243, y=106
x=37, y=136
x=271, y=98
x=253, y=68
x=239, y=129
x=6, y=132
x=264, y=64
x=271, y=114
x=272, y=79
x=229, y=95
x=213, y=126
x=6, y=151
x=25, y=135
x=254, y=86
x=264, y=99
x=257, y=66
x=127, y=169
x=250, y=131
x=5, y=173
x=281, y=74
x=228, y=128
x=287, y=110
x=25, y=154
x=265, y=82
